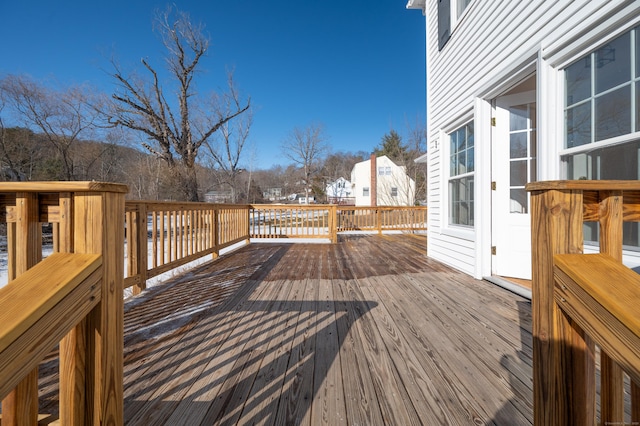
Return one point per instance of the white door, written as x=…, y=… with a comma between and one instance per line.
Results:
x=513, y=166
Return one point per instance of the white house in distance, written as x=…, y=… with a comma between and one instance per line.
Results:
x=380, y=182
x=519, y=92
x=339, y=192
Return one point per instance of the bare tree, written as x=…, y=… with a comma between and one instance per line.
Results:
x=141, y=105
x=306, y=147
x=226, y=150
x=61, y=116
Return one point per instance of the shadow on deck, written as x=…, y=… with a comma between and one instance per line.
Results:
x=367, y=331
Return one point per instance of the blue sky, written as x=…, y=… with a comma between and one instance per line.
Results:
x=357, y=66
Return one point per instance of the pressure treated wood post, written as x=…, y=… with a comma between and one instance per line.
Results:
x=137, y=246
x=612, y=379
x=24, y=244
x=73, y=359
x=216, y=234
x=99, y=228
x=142, y=246
x=333, y=223
x=563, y=363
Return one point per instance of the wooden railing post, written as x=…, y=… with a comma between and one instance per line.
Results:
x=612, y=379
x=73, y=360
x=563, y=363
x=216, y=233
x=333, y=223
x=24, y=244
x=99, y=228
x=137, y=246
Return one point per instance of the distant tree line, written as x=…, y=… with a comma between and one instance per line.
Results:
x=180, y=147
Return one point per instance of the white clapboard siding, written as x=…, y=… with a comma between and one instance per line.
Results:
x=487, y=45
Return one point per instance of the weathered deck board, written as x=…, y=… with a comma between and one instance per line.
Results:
x=367, y=331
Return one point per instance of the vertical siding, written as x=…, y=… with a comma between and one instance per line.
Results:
x=492, y=39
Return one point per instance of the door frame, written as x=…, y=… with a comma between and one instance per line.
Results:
x=500, y=83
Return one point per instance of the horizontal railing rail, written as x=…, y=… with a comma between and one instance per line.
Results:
x=40, y=307
x=584, y=302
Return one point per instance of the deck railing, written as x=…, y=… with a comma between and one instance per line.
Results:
x=325, y=221
x=161, y=236
x=73, y=297
x=582, y=301
x=389, y=218
x=165, y=235
x=292, y=221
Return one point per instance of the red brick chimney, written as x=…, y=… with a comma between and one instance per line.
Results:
x=374, y=181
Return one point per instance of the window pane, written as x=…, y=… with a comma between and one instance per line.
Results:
x=518, y=117
x=470, y=160
x=461, y=6
x=453, y=142
x=613, y=63
x=637, y=103
x=533, y=148
x=618, y=162
x=461, y=201
x=462, y=140
x=578, y=81
x=613, y=114
x=453, y=169
x=579, y=125
x=462, y=163
x=637, y=31
x=518, y=173
x=533, y=119
x=518, y=145
x=518, y=203
x=533, y=170
x=630, y=234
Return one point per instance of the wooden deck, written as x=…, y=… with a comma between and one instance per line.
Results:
x=368, y=331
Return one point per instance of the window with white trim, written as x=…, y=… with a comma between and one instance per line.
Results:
x=394, y=191
x=602, y=107
x=365, y=191
x=449, y=13
x=461, y=176
x=602, y=92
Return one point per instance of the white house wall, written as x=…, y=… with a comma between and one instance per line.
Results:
x=361, y=178
x=492, y=45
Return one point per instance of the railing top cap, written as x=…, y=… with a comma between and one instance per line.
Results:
x=88, y=186
x=586, y=185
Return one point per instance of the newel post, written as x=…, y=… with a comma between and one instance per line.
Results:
x=612, y=378
x=563, y=363
x=333, y=223
x=137, y=247
x=99, y=228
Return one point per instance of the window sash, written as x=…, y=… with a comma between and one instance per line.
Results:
x=602, y=92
